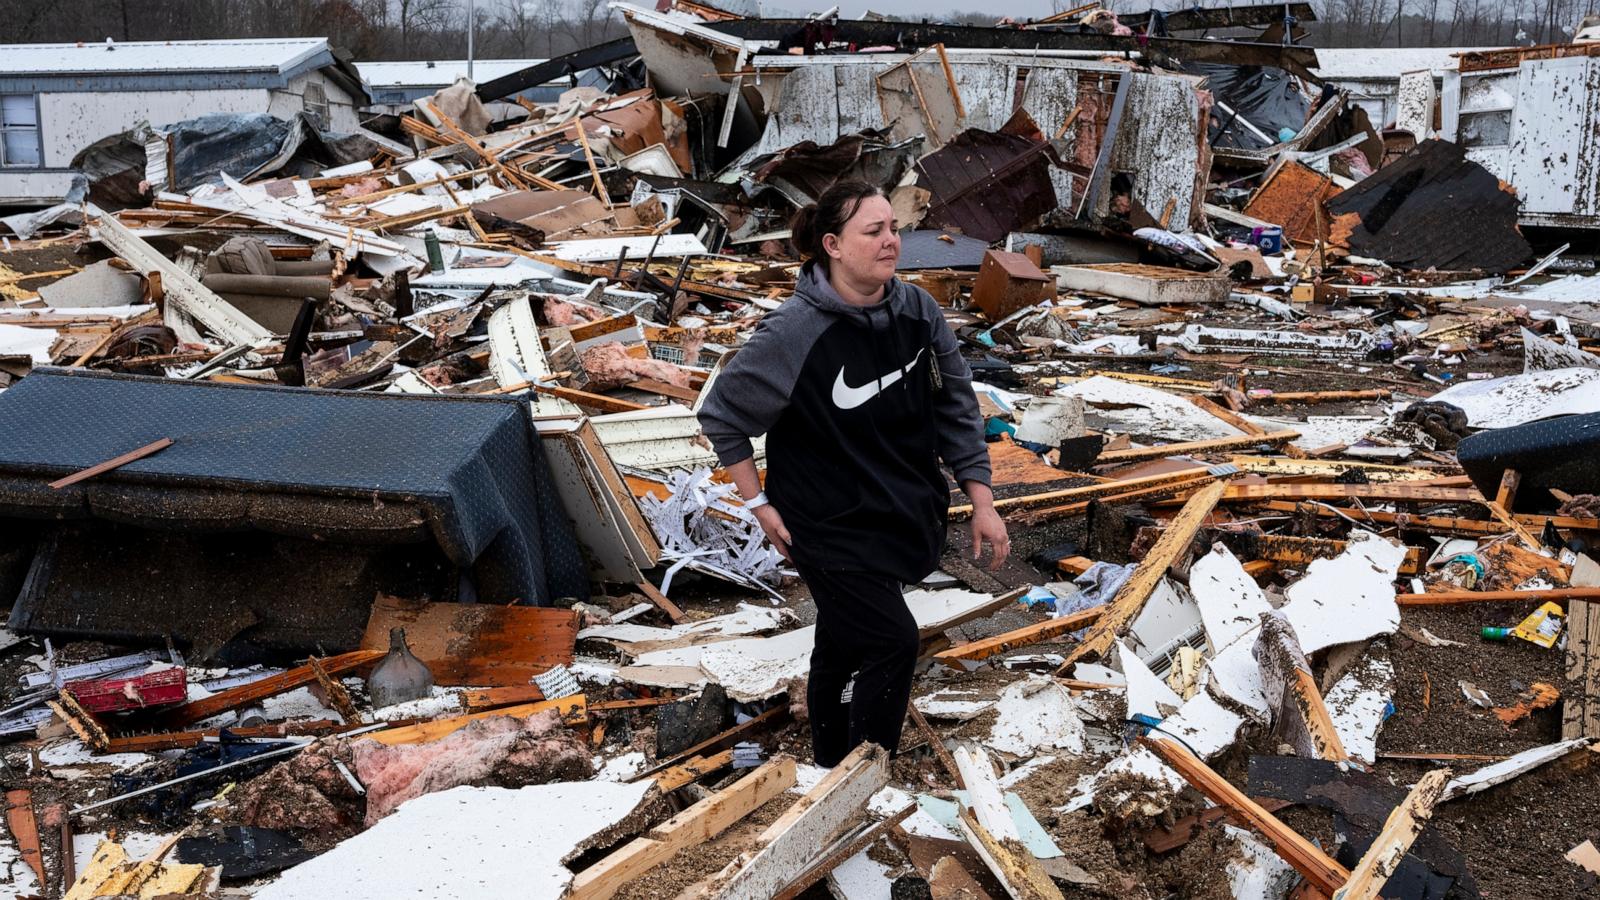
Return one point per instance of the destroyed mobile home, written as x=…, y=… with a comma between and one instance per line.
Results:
x=359, y=538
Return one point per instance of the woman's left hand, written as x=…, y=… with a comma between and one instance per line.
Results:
x=987, y=526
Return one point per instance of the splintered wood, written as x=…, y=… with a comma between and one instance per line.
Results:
x=1399, y=832
x=787, y=847
x=695, y=825
x=1131, y=597
x=476, y=644
x=1581, y=713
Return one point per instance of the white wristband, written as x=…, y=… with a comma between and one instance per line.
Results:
x=756, y=502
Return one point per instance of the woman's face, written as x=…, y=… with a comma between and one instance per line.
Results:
x=867, y=249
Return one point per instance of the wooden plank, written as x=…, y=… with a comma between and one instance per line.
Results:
x=1451, y=598
x=1324, y=873
x=25, y=831
x=949, y=880
x=178, y=740
x=1439, y=524
x=1389, y=848
x=489, y=698
x=1580, y=716
x=774, y=716
x=687, y=395
x=1227, y=415
x=1085, y=493
x=1165, y=840
x=1162, y=491
x=589, y=400
x=788, y=845
x=475, y=644
x=1323, y=396
x=937, y=743
x=981, y=611
x=1299, y=552
x=572, y=709
x=841, y=850
x=1395, y=491
x=271, y=686
x=693, y=770
x=1189, y=448
x=1273, y=465
x=654, y=595
x=114, y=463
x=1036, y=633
x=1500, y=508
x=692, y=827
x=1131, y=597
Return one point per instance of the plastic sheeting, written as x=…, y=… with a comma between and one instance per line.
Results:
x=1268, y=98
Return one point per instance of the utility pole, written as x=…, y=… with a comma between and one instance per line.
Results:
x=472, y=26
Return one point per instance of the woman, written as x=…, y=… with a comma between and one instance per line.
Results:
x=858, y=385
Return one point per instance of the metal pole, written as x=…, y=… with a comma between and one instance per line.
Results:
x=472, y=25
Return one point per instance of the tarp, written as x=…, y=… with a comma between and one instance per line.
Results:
x=473, y=466
x=1266, y=97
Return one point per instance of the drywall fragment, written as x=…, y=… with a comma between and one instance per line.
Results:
x=1358, y=703
x=1230, y=601
x=471, y=842
x=1147, y=694
x=1036, y=714
x=1347, y=598
x=1505, y=770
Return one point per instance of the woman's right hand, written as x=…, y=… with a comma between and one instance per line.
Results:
x=772, y=524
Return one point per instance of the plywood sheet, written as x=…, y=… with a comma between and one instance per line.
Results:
x=476, y=644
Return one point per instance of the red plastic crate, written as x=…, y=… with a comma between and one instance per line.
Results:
x=117, y=694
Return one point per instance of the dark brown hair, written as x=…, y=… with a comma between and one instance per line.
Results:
x=814, y=221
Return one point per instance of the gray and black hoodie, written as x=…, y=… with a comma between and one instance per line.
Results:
x=859, y=404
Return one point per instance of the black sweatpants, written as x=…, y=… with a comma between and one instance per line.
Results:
x=865, y=630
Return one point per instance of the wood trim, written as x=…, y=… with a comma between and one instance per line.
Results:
x=1187, y=448
x=1036, y=633
x=271, y=686
x=1131, y=597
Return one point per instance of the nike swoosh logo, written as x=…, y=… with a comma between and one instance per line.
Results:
x=847, y=397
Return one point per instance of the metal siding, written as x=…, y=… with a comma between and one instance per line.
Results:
x=71, y=122
x=1551, y=128
x=857, y=98
x=1050, y=96
x=1157, y=144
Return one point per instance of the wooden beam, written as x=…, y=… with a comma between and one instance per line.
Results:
x=1036, y=633
x=1451, y=598
x=841, y=850
x=1299, y=552
x=1273, y=465
x=114, y=463
x=271, y=686
x=1580, y=716
x=773, y=716
x=1166, y=839
x=1322, y=396
x=786, y=848
x=25, y=831
x=1389, y=848
x=572, y=709
x=1418, y=493
x=489, y=698
x=690, y=828
x=1189, y=448
x=1500, y=508
x=589, y=400
x=1131, y=597
x=178, y=740
x=654, y=595
x=1440, y=524
x=1087, y=492
x=687, y=395
x=1300, y=713
x=1160, y=491
x=935, y=742
x=1321, y=870
x=692, y=771
x=1227, y=415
